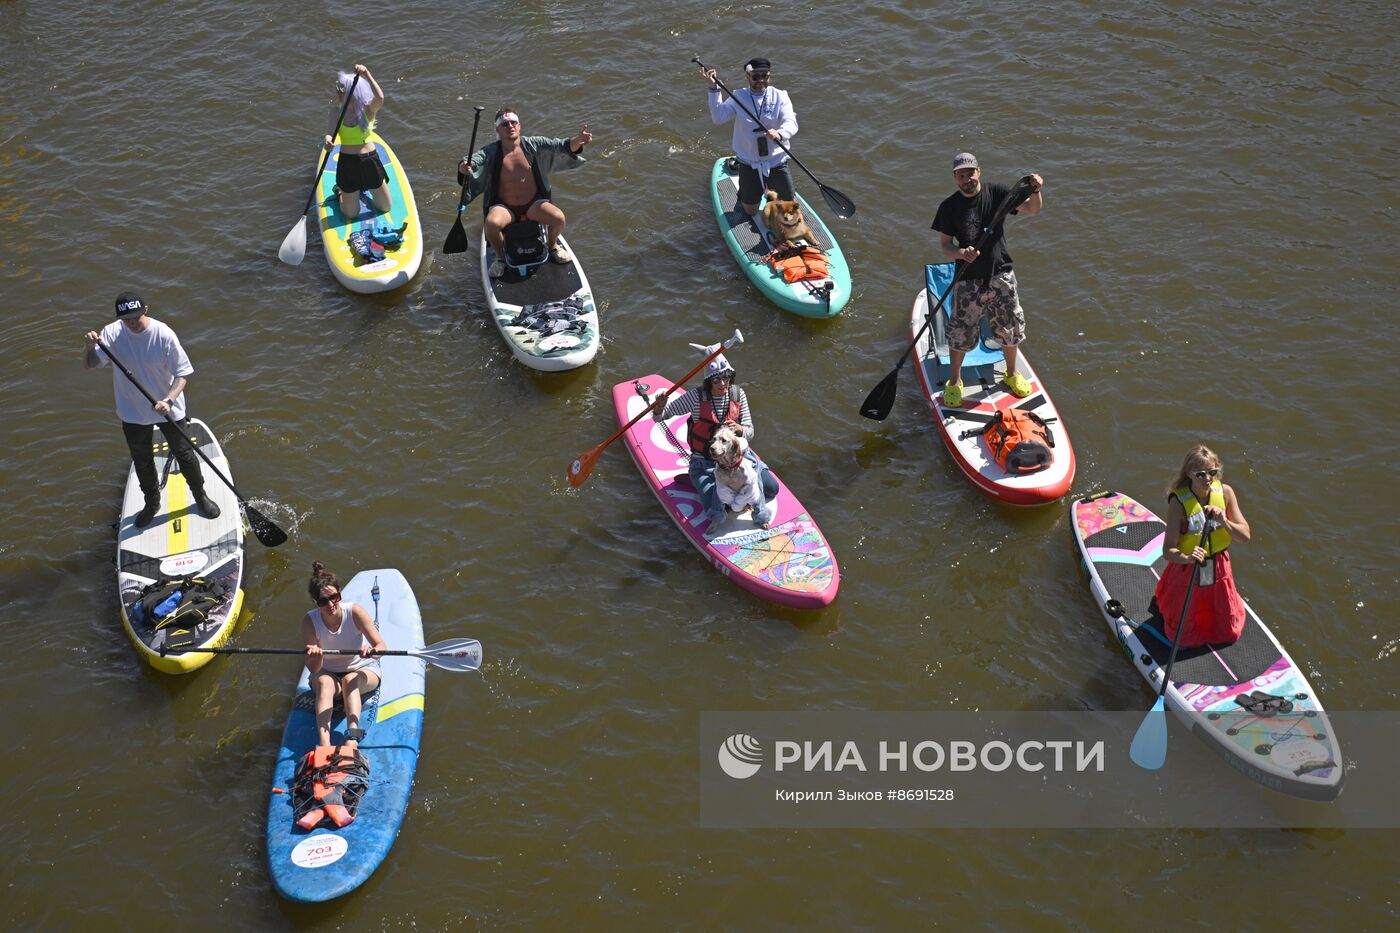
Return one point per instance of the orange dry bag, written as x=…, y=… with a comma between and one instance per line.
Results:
x=1020, y=441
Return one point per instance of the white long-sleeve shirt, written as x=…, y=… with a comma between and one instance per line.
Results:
x=773, y=109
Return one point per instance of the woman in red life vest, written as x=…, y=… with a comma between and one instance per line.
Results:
x=1198, y=500
x=334, y=624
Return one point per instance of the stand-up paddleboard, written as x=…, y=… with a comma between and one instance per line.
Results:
x=984, y=395
x=539, y=338
x=751, y=242
x=789, y=563
x=326, y=863
x=400, y=263
x=180, y=542
x=1248, y=700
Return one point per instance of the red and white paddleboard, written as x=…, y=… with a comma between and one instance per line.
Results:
x=789, y=563
x=984, y=395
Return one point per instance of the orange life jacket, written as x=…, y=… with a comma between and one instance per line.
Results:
x=329, y=783
x=702, y=427
x=1020, y=441
x=797, y=263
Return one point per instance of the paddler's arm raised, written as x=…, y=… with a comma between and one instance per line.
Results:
x=471, y=171
x=682, y=404
x=1035, y=202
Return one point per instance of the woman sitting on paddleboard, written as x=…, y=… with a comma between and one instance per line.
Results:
x=1198, y=497
x=347, y=627
x=358, y=168
x=717, y=402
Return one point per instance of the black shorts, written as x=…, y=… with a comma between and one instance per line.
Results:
x=751, y=188
x=359, y=171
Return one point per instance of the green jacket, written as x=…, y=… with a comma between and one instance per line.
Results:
x=545, y=153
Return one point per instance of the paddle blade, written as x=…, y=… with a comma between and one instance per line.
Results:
x=842, y=205
x=454, y=654
x=1149, y=748
x=293, y=249
x=263, y=528
x=583, y=465
x=456, y=241
x=880, y=401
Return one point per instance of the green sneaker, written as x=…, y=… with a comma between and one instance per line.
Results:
x=1019, y=385
x=952, y=394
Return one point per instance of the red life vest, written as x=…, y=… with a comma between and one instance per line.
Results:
x=800, y=263
x=329, y=783
x=702, y=426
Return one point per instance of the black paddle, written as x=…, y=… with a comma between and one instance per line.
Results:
x=456, y=241
x=880, y=401
x=1149, y=748
x=453, y=654
x=268, y=533
x=842, y=205
x=293, y=249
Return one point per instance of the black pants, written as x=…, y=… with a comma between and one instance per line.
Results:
x=143, y=456
x=751, y=187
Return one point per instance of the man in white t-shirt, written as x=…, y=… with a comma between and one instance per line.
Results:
x=153, y=353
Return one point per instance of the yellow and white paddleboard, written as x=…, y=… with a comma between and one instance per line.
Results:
x=180, y=542
x=400, y=263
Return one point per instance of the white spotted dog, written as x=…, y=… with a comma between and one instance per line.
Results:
x=736, y=478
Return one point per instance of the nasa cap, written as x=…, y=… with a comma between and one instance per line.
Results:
x=130, y=305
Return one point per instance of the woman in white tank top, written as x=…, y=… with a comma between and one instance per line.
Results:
x=342, y=626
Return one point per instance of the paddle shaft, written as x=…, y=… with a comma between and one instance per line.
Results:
x=755, y=119
x=327, y=156
x=173, y=423
x=342, y=651
x=471, y=150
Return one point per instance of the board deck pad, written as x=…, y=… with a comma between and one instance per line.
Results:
x=547, y=282
x=789, y=563
x=329, y=862
x=178, y=542
x=750, y=242
x=400, y=263
x=984, y=394
x=1120, y=544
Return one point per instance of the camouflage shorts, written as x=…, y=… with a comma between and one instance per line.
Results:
x=998, y=301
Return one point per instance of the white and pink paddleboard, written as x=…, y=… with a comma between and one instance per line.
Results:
x=984, y=395
x=789, y=563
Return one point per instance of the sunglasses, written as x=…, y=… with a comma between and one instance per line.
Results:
x=327, y=600
x=755, y=76
x=508, y=123
x=1207, y=474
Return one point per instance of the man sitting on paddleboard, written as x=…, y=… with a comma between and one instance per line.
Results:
x=155, y=357
x=717, y=402
x=515, y=170
x=988, y=284
x=762, y=165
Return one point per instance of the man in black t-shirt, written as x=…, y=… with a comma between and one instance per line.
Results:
x=988, y=284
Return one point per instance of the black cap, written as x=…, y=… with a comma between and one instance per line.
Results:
x=129, y=304
x=757, y=64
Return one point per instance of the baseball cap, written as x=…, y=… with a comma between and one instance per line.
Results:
x=757, y=64
x=130, y=305
x=964, y=160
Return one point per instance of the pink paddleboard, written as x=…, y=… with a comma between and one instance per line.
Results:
x=789, y=563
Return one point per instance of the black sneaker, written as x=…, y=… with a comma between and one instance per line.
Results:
x=207, y=507
x=145, y=516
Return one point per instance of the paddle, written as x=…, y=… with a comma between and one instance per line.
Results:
x=583, y=464
x=268, y=533
x=842, y=205
x=1149, y=748
x=456, y=241
x=454, y=654
x=293, y=249
x=880, y=401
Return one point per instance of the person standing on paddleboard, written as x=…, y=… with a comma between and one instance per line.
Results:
x=358, y=167
x=335, y=624
x=987, y=285
x=762, y=165
x=515, y=171
x=718, y=401
x=1196, y=500
x=155, y=357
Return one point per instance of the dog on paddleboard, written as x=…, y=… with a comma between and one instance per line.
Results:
x=785, y=221
x=736, y=478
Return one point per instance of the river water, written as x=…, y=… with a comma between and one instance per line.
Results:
x=1215, y=262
